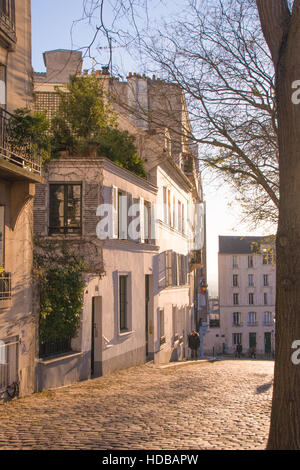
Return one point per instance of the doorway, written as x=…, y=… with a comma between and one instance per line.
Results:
x=267, y=343
x=96, y=337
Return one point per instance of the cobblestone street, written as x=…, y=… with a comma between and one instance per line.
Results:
x=209, y=405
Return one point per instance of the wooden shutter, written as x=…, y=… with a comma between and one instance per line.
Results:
x=40, y=210
x=114, y=203
x=142, y=221
x=91, y=202
x=162, y=269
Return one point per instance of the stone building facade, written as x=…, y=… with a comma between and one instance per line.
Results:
x=20, y=170
x=156, y=273
x=247, y=289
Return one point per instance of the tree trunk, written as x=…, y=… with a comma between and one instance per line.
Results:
x=282, y=32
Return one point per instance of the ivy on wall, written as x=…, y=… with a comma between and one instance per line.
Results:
x=60, y=274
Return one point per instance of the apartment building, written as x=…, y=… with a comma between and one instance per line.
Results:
x=20, y=170
x=247, y=288
x=141, y=306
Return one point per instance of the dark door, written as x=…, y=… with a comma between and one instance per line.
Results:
x=96, y=339
x=147, y=298
x=267, y=343
x=252, y=340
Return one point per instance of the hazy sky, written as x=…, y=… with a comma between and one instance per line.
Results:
x=52, y=22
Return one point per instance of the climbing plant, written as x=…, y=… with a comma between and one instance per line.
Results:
x=60, y=274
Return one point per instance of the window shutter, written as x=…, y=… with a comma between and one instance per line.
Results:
x=174, y=269
x=114, y=203
x=162, y=270
x=129, y=216
x=40, y=210
x=152, y=233
x=123, y=214
x=142, y=221
x=91, y=202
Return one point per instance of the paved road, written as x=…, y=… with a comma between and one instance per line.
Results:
x=220, y=405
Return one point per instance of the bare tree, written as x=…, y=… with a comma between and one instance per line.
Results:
x=281, y=27
x=217, y=55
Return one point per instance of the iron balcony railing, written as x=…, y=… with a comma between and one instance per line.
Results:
x=54, y=348
x=5, y=286
x=21, y=152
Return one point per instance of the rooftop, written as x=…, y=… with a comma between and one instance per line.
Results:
x=241, y=244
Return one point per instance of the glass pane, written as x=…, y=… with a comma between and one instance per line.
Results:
x=56, y=207
x=73, y=215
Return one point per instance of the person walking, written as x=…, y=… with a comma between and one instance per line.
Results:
x=253, y=353
x=194, y=344
x=238, y=351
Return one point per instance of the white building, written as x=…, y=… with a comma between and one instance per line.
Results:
x=247, y=287
x=139, y=300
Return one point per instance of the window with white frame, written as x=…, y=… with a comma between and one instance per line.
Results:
x=236, y=338
x=236, y=319
x=234, y=262
x=123, y=303
x=235, y=299
x=251, y=318
x=162, y=336
x=250, y=280
x=266, y=280
x=251, y=298
x=268, y=318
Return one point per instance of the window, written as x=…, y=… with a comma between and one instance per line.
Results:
x=250, y=280
x=236, y=338
x=7, y=12
x=250, y=261
x=169, y=208
x=265, y=298
x=165, y=208
x=2, y=86
x=234, y=262
x=169, y=271
x=162, y=326
x=179, y=216
x=183, y=219
x=123, y=303
x=266, y=280
x=267, y=318
x=252, y=318
x=251, y=299
x=268, y=258
x=65, y=208
x=236, y=319
x=235, y=280
x=174, y=213
x=235, y=299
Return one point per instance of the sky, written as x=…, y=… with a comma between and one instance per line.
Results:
x=52, y=23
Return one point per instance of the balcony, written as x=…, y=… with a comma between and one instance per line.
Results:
x=5, y=290
x=19, y=159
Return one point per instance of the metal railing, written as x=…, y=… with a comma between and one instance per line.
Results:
x=5, y=286
x=21, y=152
x=55, y=348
